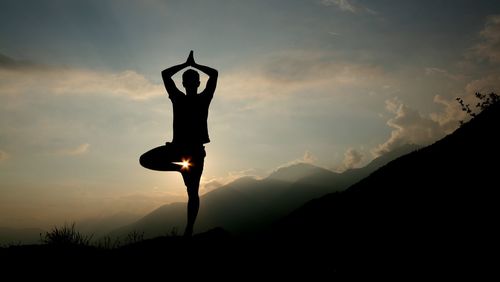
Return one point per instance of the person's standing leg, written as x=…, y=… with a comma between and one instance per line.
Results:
x=192, y=178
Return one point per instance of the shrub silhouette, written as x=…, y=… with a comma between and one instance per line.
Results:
x=485, y=101
x=66, y=236
x=108, y=243
x=134, y=237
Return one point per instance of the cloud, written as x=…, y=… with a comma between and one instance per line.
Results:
x=487, y=84
x=352, y=158
x=409, y=127
x=348, y=6
x=3, y=156
x=445, y=73
x=309, y=157
x=17, y=78
x=452, y=113
x=489, y=47
x=343, y=5
x=79, y=150
x=127, y=84
x=294, y=73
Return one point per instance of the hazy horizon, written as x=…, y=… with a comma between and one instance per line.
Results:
x=328, y=82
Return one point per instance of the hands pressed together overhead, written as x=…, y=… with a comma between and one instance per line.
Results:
x=190, y=60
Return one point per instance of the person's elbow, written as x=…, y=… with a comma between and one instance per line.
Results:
x=214, y=74
x=164, y=73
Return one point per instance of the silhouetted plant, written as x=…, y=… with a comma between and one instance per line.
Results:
x=11, y=244
x=108, y=242
x=134, y=237
x=485, y=101
x=66, y=236
x=173, y=232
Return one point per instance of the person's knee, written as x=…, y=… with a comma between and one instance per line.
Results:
x=193, y=192
x=144, y=160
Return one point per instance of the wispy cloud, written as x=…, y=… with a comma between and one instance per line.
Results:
x=309, y=157
x=409, y=127
x=18, y=78
x=79, y=150
x=352, y=158
x=452, y=113
x=487, y=84
x=489, y=47
x=445, y=73
x=288, y=73
x=348, y=6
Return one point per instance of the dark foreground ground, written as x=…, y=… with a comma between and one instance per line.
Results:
x=213, y=252
x=217, y=254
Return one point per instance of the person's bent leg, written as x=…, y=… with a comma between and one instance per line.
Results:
x=161, y=158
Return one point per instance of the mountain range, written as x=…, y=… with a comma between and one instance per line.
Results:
x=247, y=205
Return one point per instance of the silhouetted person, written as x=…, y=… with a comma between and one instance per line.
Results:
x=186, y=152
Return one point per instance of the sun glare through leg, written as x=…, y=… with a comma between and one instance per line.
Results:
x=185, y=164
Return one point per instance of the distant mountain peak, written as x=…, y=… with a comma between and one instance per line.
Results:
x=244, y=180
x=392, y=155
x=296, y=172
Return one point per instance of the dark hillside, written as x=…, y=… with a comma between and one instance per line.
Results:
x=437, y=202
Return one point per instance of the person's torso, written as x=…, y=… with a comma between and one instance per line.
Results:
x=190, y=119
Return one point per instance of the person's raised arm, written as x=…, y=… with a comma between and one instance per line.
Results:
x=212, y=74
x=169, y=82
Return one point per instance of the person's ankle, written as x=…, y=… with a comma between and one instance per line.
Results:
x=188, y=232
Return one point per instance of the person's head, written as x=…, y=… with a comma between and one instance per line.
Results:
x=191, y=80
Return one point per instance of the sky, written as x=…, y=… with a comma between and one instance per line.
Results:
x=334, y=83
